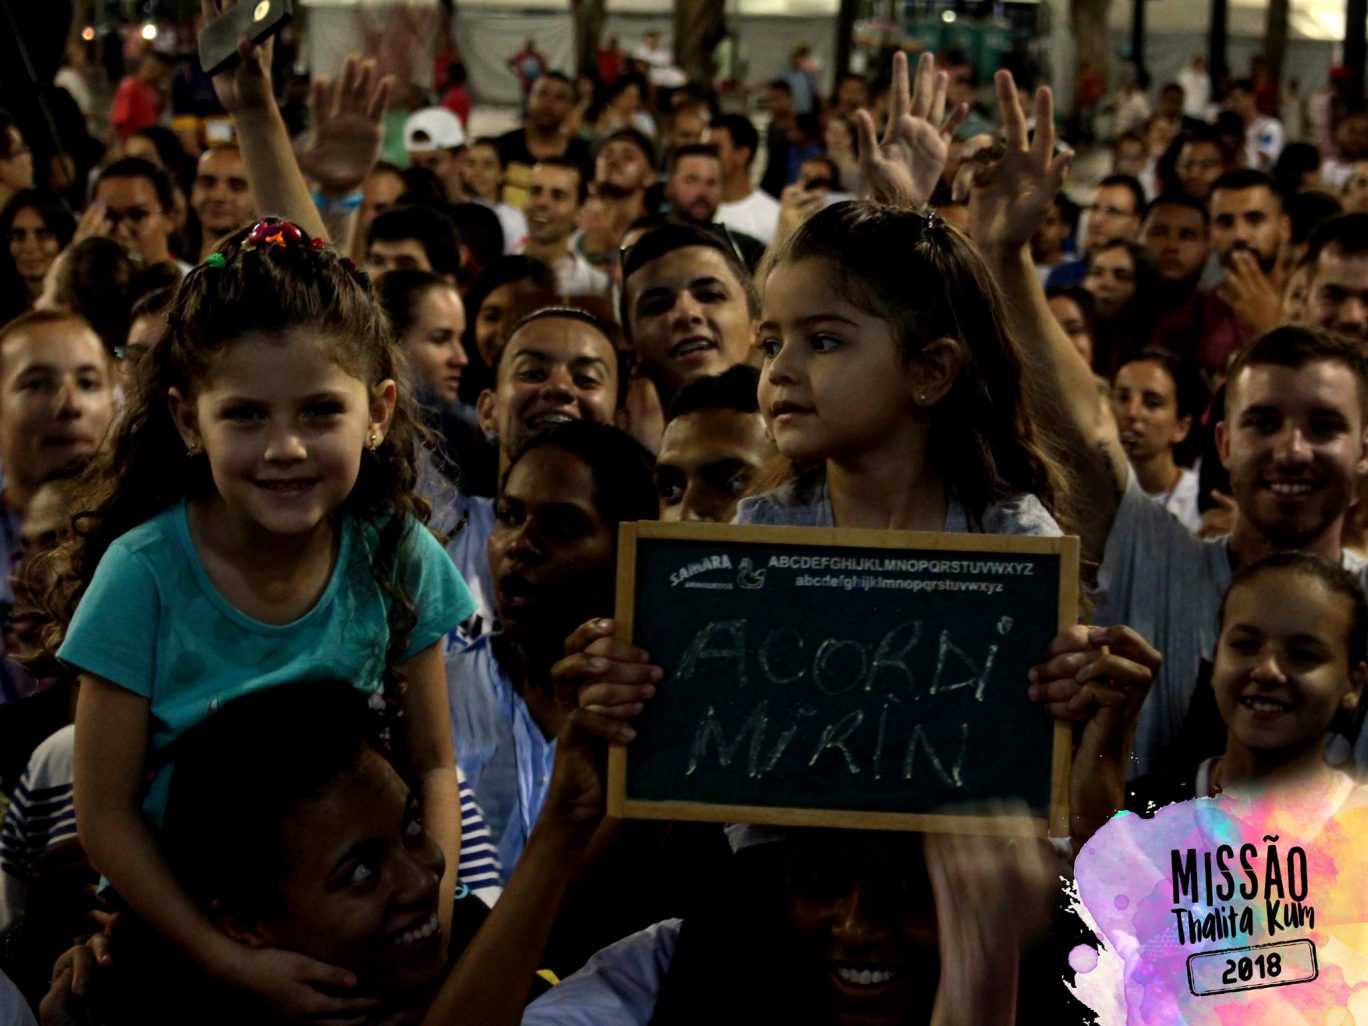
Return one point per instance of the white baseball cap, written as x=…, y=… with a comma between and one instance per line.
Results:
x=432, y=129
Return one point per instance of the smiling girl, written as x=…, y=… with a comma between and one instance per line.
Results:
x=1288, y=671
x=252, y=524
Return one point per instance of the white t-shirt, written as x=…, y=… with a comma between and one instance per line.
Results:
x=757, y=215
x=1181, y=500
x=1196, y=92
x=1263, y=142
x=512, y=221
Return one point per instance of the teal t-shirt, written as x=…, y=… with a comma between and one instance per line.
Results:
x=152, y=622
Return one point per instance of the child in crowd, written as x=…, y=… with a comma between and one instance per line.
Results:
x=252, y=523
x=1289, y=672
x=896, y=408
x=1155, y=399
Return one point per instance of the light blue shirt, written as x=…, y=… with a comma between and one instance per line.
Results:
x=1021, y=514
x=619, y=986
x=499, y=747
x=153, y=622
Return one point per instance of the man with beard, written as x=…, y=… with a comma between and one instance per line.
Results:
x=1337, y=286
x=623, y=172
x=1351, y=139
x=220, y=196
x=694, y=192
x=1249, y=229
x=545, y=135
x=1292, y=438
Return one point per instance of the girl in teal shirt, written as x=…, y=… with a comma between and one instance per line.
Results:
x=253, y=524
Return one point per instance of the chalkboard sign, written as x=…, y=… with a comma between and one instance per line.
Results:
x=825, y=677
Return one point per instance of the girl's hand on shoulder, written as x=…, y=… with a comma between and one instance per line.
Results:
x=299, y=988
x=343, y=142
x=606, y=677
x=904, y=167
x=1011, y=195
x=245, y=87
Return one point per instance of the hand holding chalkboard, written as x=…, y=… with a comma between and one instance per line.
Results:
x=838, y=677
x=605, y=676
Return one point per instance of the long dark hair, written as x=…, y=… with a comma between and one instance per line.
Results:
x=274, y=289
x=926, y=279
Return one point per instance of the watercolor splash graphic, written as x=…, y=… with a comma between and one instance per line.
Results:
x=1297, y=889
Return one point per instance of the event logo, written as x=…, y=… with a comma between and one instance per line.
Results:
x=1202, y=909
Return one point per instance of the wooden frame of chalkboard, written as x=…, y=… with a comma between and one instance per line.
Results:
x=728, y=574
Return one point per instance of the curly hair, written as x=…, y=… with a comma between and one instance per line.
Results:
x=278, y=290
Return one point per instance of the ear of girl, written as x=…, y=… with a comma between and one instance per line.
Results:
x=254, y=523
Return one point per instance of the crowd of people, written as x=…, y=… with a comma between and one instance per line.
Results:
x=314, y=465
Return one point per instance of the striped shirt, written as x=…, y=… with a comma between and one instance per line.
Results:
x=42, y=815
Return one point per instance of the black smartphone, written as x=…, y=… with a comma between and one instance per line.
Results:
x=258, y=19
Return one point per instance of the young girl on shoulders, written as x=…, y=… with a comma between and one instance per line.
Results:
x=890, y=381
x=253, y=523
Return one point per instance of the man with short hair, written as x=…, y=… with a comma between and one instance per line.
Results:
x=1247, y=234
x=623, y=171
x=1114, y=213
x=1202, y=160
x=542, y=137
x=694, y=187
x=16, y=160
x=137, y=200
x=414, y=239
x=434, y=139
x=685, y=126
x=555, y=194
x=744, y=208
x=694, y=192
x=1175, y=232
x=1337, y=285
x=220, y=196
x=714, y=445
x=687, y=306
x=56, y=405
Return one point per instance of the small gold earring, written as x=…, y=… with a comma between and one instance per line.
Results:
x=192, y=450
x=374, y=442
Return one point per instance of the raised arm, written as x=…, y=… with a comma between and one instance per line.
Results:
x=244, y=89
x=1009, y=199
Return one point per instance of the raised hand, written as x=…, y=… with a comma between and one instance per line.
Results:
x=343, y=142
x=1011, y=195
x=904, y=167
x=245, y=87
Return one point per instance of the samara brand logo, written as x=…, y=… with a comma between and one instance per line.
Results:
x=743, y=575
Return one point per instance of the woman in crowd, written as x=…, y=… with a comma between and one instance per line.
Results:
x=1156, y=399
x=1122, y=282
x=36, y=227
